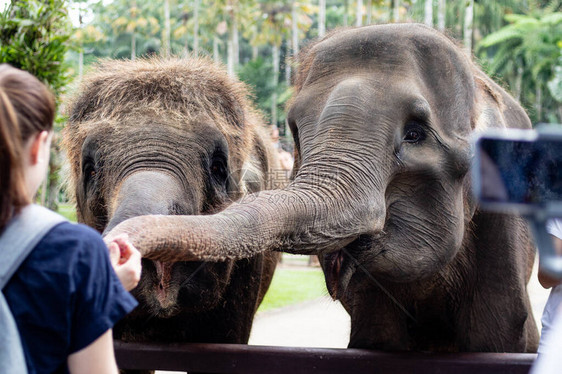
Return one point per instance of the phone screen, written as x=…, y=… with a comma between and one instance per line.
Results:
x=520, y=171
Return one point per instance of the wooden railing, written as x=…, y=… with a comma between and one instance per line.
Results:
x=235, y=358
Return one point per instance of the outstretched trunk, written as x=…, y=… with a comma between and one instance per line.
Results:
x=297, y=219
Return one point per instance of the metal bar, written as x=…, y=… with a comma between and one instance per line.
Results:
x=238, y=358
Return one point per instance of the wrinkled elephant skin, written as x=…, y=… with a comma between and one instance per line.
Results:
x=382, y=118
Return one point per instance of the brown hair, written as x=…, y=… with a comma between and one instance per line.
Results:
x=27, y=107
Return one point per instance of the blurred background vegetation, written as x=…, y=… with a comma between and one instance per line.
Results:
x=518, y=42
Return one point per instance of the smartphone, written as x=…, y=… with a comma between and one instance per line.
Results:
x=518, y=170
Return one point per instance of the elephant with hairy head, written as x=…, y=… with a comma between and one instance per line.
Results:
x=172, y=137
x=381, y=119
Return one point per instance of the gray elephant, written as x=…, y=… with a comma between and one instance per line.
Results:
x=381, y=118
x=172, y=136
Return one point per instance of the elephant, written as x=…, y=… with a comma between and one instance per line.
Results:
x=172, y=137
x=382, y=117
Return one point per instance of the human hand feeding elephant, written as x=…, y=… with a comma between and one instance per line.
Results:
x=381, y=120
x=172, y=137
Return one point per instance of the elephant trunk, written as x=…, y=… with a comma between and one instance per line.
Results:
x=315, y=213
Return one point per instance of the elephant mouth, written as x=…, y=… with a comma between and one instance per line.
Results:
x=339, y=267
x=165, y=294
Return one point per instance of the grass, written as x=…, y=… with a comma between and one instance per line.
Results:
x=292, y=286
x=68, y=211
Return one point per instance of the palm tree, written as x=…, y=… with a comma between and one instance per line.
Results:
x=468, y=21
x=369, y=12
x=441, y=12
x=135, y=25
x=395, y=10
x=196, y=26
x=524, y=53
x=428, y=13
x=167, y=30
x=359, y=19
x=321, y=18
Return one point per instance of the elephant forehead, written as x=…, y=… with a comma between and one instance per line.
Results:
x=390, y=54
x=403, y=69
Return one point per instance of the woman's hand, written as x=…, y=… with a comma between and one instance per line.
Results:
x=126, y=261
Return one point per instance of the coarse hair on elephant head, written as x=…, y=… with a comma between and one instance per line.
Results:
x=171, y=137
x=381, y=117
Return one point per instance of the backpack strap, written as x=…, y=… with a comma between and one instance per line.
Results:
x=21, y=235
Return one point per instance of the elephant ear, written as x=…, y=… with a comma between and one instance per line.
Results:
x=495, y=108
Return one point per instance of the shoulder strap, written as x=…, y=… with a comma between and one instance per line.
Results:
x=21, y=235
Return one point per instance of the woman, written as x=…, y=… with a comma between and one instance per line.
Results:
x=66, y=296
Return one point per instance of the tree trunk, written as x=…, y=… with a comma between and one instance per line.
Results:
x=287, y=62
x=295, y=32
x=345, y=11
x=255, y=52
x=428, y=13
x=395, y=10
x=321, y=18
x=518, y=83
x=441, y=13
x=43, y=198
x=53, y=179
x=166, y=36
x=81, y=54
x=236, y=43
x=468, y=20
x=359, y=20
x=233, y=33
x=196, y=28
x=538, y=101
x=369, y=12
x=133, y=46
x=216, y=55
x=230, y=57
x=80, y=64
x=186, y=47
x=275, y=56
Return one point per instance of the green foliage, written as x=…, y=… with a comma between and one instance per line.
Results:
x=290, y=287
x=68, y=211
x=555, y=84
x=35, y=37
x=523, y=53
x=257, y=74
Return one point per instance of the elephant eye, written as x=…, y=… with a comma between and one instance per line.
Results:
x=414, y=134
x=90, y=171
x=218, y=169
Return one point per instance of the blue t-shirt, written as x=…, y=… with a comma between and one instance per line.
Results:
x=64, y=296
